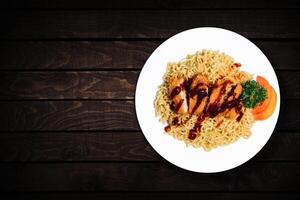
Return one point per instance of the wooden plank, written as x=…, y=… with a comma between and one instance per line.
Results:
x=151, y=176
x=282, y=146
x=70, y=146
x=289, y=83
x=114, y=146
x=28, y=55
x=68, y=115
x=145, y=23
x=150, y=195
x=281, y=54
x=70, y=85
x=75, y=55
x=97, y=85
x=144, y=4
x=97, y=115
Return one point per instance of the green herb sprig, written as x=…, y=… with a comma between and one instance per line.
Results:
x=253, y=94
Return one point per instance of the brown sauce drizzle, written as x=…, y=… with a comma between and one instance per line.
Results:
x=175, y=92
x=219, y=123
x=197, y=127
x=215, y=108
x=231, y=92
x=201, y=94
x=238, y=109
x=237, y=64
x=176, y=107
x=209, y=111
x=167, y=128
x=175, y=122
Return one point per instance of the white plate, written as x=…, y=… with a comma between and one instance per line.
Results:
x=175, y=49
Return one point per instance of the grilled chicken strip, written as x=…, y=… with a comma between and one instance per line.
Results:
x=198, y=94
x=217, y=96
x=237, y=92
x=232, y=114
x=234, y=93
x=177, y=94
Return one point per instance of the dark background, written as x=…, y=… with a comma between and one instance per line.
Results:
x=67, y=82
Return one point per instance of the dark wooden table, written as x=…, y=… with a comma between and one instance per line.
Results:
x=67, y=82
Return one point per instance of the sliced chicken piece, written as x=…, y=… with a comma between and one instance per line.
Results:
x=215, y=92
x=217, y=97
x=177, y=94
x=199, y=79
x=235, y=92
x=238, y=90
x=198, y=95
x=198, y=108
x=219, y=91
x=219, y=123
x=232, y=114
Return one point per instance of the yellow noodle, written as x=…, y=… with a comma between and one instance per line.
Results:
x=214, y=65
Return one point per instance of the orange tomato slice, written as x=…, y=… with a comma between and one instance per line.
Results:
x=266, y=108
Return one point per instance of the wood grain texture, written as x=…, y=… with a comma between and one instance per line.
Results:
x=146, y=23
x=68, y=128
x=98, y=85
x=289, y=83
x=68, y=115
x=151, y=177
x=97, y=115
x=150, y=195
x=51, y=55
x=115, y=146
x=144, y=4
x=70, y=85
x=75, y=55
x=74, y=146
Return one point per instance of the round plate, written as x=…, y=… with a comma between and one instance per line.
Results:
x=175, y=49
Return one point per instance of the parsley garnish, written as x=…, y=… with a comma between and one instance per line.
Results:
x=253, y=94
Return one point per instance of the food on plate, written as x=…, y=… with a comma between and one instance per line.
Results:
x=253, y=94
x=207, y=101
x=198, y=94
x=177, y=95
x=266, y=108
